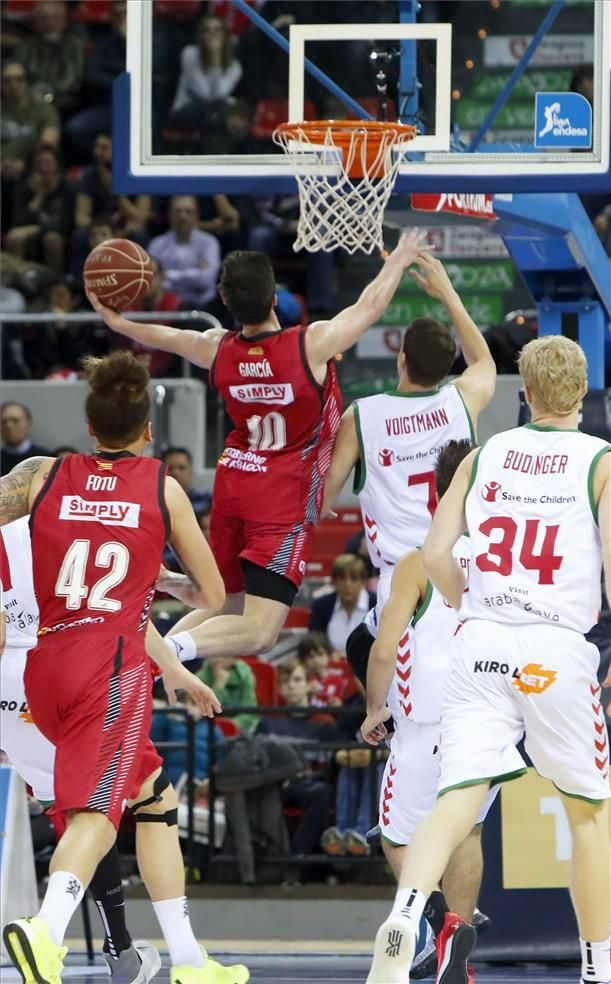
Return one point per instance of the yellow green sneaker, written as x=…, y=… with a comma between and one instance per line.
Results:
x=33, y=952
x=211, y=973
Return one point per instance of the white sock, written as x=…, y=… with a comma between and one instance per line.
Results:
x=409, y=903
x=184, y=646
x=63, y=896
x=173, y=916
x=596, y=961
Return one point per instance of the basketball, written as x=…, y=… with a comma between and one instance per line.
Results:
x=119, y=272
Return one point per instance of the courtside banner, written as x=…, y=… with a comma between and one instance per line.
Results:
x=471, y=206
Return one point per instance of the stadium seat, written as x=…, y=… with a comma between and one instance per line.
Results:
x=298, y=618
x=228, y=727
x=269, y=113
x=320, y=566
x=93, y=12
x=266, y=678
x=372, y=104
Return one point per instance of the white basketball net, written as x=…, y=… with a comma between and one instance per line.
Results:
x=337, y=210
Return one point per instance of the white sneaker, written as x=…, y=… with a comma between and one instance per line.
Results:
x=393, y=953
x=138, y=965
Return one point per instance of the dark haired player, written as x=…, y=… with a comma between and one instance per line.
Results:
x=99, y=523
x=409, y=786
x=281, y=392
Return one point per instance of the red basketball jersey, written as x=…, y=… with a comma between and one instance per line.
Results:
x=99, y=526
x=276, y=458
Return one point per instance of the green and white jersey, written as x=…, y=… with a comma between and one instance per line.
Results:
x=531, y=515
x=400, y=436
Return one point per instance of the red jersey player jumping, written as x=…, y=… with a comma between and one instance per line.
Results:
x=99, y=524
x=281, y=392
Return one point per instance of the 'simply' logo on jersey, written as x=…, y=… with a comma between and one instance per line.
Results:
x=386, y=457
x=534, y=679
x=491, y=491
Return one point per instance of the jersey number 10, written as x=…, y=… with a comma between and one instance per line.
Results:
x=71, y=584
x=267, y=433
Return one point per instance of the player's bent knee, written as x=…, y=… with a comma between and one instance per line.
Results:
x=161, y=806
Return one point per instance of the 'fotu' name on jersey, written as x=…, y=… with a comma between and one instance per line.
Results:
x=255, y=370
x=416, y=423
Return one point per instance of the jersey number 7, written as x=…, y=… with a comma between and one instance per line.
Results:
x=499, y=558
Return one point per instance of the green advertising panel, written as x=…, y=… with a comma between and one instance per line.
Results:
x=485, y=309
x=491, y=84
x=499, y=275
x=471, y=113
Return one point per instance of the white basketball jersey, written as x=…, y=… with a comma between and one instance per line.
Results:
x=18, y=598
x=425, y=652
x=537, y=553
x=400, y=436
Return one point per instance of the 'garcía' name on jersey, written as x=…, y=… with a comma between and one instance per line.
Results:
x=256, y=370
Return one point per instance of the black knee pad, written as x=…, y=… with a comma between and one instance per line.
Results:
x=358, y=646
x=170, y=817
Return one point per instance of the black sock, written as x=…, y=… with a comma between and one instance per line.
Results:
x=435, y=910
x=107, y=891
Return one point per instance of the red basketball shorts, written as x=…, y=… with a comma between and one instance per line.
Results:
x=282, y=548
x=90, y=695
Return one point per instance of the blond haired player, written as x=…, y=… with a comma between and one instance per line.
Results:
x=536, y=501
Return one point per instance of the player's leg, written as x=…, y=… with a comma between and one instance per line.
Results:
x=566, y=738
x=234, y=605
x=155, y=810
x=249, y=634
x=462, y=878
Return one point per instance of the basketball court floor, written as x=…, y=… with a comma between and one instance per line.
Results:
x=291, y=968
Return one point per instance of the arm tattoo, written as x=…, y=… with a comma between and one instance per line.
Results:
x=15, y=490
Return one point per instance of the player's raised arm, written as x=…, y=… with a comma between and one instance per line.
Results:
x=197, y=347
x=477, y=382
x=448, y=525
x=345, y=456
x=192, y=548
x=20, y=487
x=408, y=588
x=326, y=338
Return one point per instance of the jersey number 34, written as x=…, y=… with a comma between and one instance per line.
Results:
x=499, y=558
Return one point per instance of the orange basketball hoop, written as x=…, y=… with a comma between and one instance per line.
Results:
x=345, y=171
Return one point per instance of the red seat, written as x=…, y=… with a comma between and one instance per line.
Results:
x=266, y=678
x=320, y=566
x=269, y=113
x=298, y=618
x=93, y=12
x=372, y=104
x=330, y=538
x=228, y=726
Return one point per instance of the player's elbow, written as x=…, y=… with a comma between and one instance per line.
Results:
x=212, y=594
x=432, y=554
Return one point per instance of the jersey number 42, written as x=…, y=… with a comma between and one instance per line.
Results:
x=71, y=583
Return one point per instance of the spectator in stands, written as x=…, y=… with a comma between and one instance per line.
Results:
x=234, y=684
x=203, y=518
x=353, y=803
x=24, y=124
x=328, y=686
x=157, y=298
x=57, y=349
x=340, y=611
x=313, y=793
x=173, y=728
x=43, y=207
x=16, y=430
x=238, y=119
x=191, y=258
x=129, y=214
x=104, y=63
x=209, y=71
x=602, y=224
x=180, y=467
x=54, y=56
x=219, y=217
x=357, y=545
x=274, y=231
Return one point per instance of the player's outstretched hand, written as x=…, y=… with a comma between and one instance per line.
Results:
x=113, y=319
x=204, y=698
x=411, y=245
x=373, y=729
x=432, y=276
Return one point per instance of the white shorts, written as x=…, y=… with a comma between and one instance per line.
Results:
x=411, y=780
x=31, y=754
x=399, y=697
x=373, y=616
x=534, y=679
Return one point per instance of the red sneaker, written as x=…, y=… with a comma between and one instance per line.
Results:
x=454, y=944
